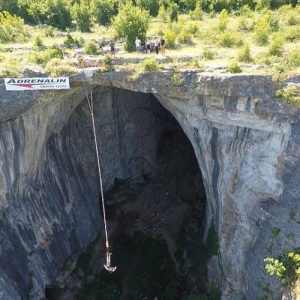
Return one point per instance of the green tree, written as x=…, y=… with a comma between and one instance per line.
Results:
x=131, y=22
x=11, y=28
x=82, y=15
x=151, y=6
x=103, y=11
x=58, y=14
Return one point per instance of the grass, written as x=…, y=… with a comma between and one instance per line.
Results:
x=214, y=41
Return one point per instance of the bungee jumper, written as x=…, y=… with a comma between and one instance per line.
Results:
x=107, y=266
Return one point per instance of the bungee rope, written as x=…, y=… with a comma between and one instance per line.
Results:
x=107, y=266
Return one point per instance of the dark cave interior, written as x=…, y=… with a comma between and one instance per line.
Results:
x=156, y=234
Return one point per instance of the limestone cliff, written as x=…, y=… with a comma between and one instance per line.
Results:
x=246, y=143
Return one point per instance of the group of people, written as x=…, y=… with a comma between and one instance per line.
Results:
x=158, y=44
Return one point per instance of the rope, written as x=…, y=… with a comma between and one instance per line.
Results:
x=91, y=106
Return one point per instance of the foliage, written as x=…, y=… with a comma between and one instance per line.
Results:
x=233, y=67
x=38, y=43
x=49, y=31
x=276, y=45
x=244, y=54
x=289, y=93
x=131, y=22
x=149, y=64
x=293, y=58
x=196, y=14
x=184, y=37
x=69, y=41
x=11, y=28
x=223, y=20
x=170, y=38
x=102, y=11
x=45, y=55
x=261, y=33
x=286, y=267
x=82, y=16
x=151, y=6
x=208, y=54
x=91, y=48
x=229, y=39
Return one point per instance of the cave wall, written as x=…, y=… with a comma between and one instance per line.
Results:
x=49, y=184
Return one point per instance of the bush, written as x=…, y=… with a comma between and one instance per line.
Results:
x=131, y=22
x=292, y=33
x=91, y=48
x=208, y=54
x=170, y=38
x=233, y=67
x=12, y=28
x=276, y=45
x=149, y=64
x=196, y=14
x=293, y=58
x=58, y=67
x=82, y=16
x=192, y=28
x=261, y=33
x=223, y=20
x=149, y=5
x=102, y=11
x=229, y=39
x=184, y=37
x=69, y=41
x=38, y=43
x=244, y=54
x=46, y=55
x=49, y=31
x=285, y=267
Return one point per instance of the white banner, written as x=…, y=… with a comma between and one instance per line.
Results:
x=39, y=83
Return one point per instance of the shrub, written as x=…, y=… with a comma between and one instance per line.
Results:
x=229, y=39
x=69, y=41
x=46, y=55
x=285, y=267
x=208, y=54
x=170, y=38
x=91, y=48
x=102, y=11
x=223, y=20
x=233, y=67
x=12, y=28
x=276, y=45
x=196, y=14
x=245, y=23
x=292, y=33
x=192, y=28
x=83, y=17
x=149, y=5
x=49, y=31
x=184, y=37
x=57, y=67
x=131, y=22
x=38, y=43
x=244, y=54
x=261, y=33
x=108, y=66
x=149, y=64
x=293, y=58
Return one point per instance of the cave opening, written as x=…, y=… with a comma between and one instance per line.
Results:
x=156, y=223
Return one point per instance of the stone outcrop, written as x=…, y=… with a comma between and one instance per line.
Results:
x=246, y=143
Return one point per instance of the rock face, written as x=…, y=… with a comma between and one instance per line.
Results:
x=247, y=146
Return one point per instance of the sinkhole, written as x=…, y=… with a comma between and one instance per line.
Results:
x=155, y=206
